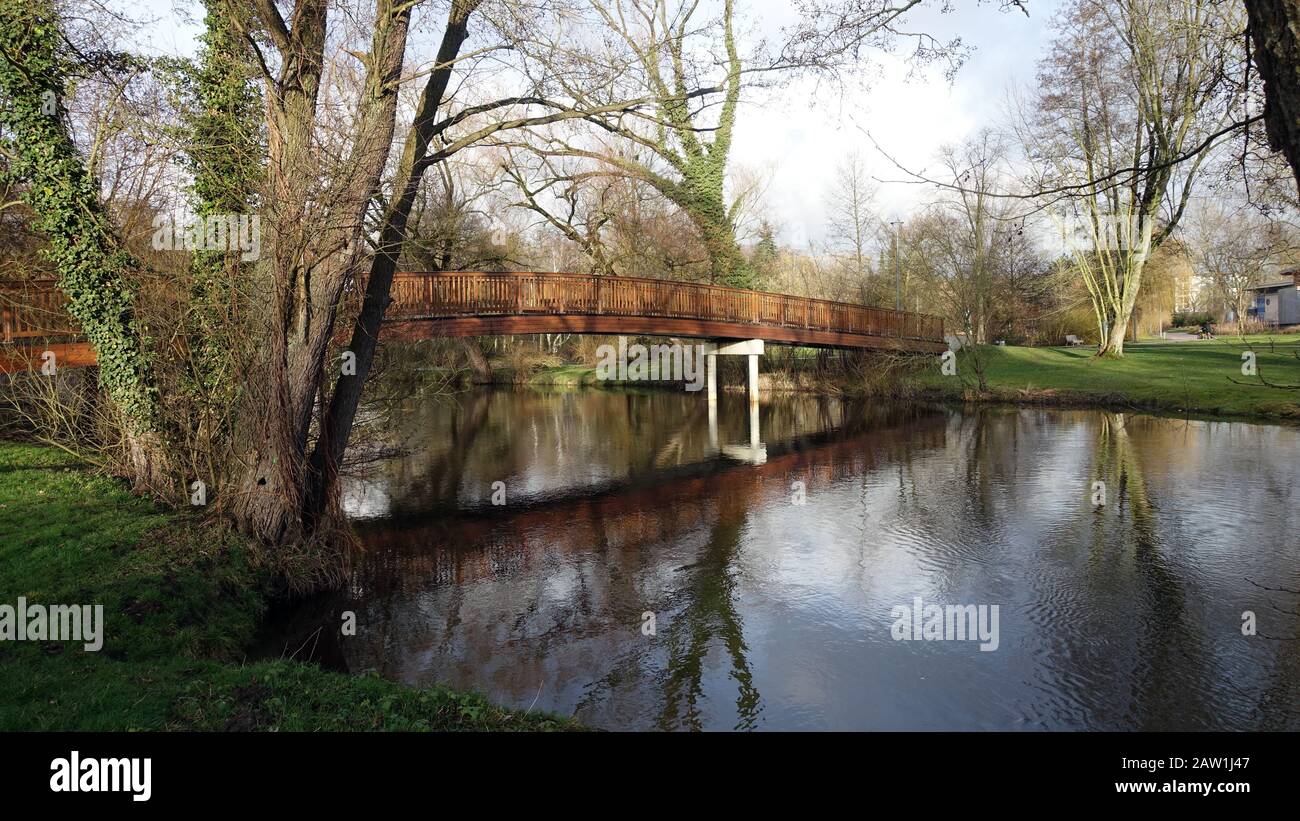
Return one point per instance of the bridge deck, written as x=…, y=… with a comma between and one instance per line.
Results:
x=477, y=304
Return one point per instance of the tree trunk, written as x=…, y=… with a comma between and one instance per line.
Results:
x=727, y=265
x=94, y=270
x=340, y=413
x=149, y=465
x=477, y=362
x=1112, y=343
x=1275, y=35
x=1130, y=285
x=312, y=253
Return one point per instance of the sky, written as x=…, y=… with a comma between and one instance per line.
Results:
x=797, y=136
x=802, y=138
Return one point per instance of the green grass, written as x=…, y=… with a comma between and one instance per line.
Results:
x=182, y=599
x=584, y=376
x=1258, y=339
x=1176, y=377
x=566, y=376
x=1171, y=377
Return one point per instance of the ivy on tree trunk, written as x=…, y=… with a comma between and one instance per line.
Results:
x=93, y=269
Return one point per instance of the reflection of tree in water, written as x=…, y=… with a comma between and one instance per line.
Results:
x=1168, y=641
x=694, y=619
x=703, y=612
x=441, y=477
x=617, y=530
x=674, y=449
x=986, y=447
x=1276, y=703
x=710, y=612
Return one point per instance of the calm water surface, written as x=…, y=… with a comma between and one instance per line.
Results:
x=770, y=614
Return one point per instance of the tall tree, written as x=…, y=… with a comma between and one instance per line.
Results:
x=685, y=141
x=969, y=241
x=314, y=204
x=1236, y=249
x=852, y=221
x=224, y=148
x=673, y=50
x=94, y=270
x=1133, y=96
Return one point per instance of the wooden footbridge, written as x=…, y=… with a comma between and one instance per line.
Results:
x=425, y=305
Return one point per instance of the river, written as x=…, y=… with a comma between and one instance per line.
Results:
x=638, y=562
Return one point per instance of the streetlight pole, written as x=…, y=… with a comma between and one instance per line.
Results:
x=898, y=268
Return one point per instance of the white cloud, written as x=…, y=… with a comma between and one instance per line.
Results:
x=910, y=118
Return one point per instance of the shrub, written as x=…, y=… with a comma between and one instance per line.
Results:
x=1191, y=319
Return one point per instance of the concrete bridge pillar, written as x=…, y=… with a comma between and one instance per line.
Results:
x=711, y=370
x=752, y=387
x=754, y=452
x=752, y=348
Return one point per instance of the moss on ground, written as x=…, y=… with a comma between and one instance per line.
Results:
x=182, y=600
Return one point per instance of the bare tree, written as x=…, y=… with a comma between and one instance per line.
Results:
x=1132, y=98
x=1236, y=248
x=974, y=222
x=852, y=222
x=576, y=204
x=691, y=58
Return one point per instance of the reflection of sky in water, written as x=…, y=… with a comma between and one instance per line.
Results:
x=365, y=498
x=543, y=445
x=774, y=615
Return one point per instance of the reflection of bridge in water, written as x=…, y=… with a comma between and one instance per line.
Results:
x=774, y=615
x=677, y=492
x=476, y=570
x=33, y=318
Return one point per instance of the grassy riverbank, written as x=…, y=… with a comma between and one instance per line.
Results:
x=1168, y=377
x=1172, y=377
x=181, y=602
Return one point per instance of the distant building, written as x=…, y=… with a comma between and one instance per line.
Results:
x=1277, y=303
x=1187, y=291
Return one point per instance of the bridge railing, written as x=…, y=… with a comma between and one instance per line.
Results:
x=33, y=309
x=37, y=308
x=454, y=294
